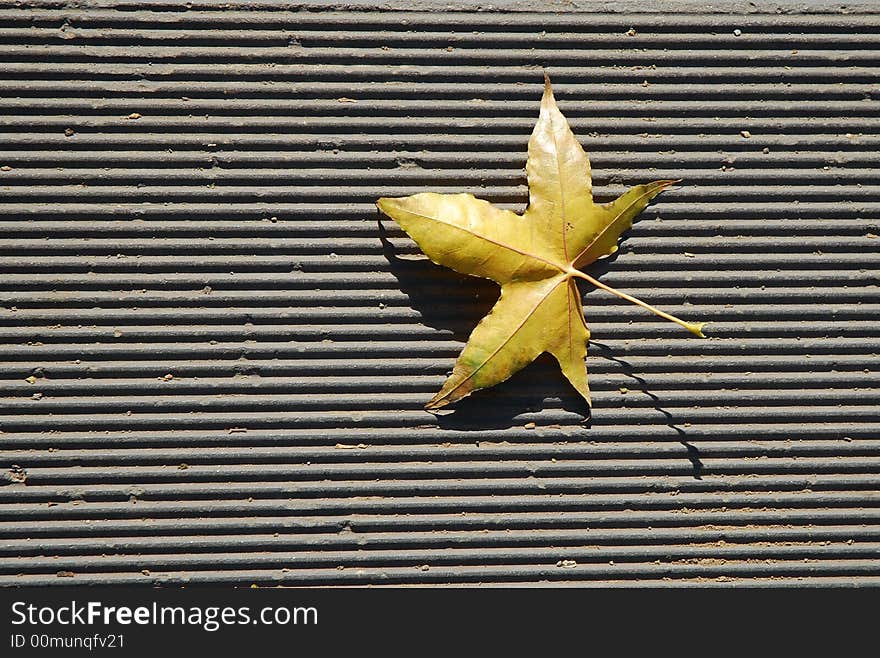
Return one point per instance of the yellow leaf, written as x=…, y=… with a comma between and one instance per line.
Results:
x=534, y=257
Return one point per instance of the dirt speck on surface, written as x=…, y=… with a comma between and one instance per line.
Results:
x=17, y=474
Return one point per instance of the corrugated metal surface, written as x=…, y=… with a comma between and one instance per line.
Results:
x=229, y=364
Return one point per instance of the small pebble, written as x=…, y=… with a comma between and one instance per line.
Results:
x=737, y=33
x=134, y=115
x=631, y=32
x=37, y=396
x=5, y=168
x=529, y=426
x=623, y=390
x=745, y=133
x=68, y=132
x=765, y=150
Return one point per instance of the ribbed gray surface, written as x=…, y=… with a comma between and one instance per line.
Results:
x=228, y=238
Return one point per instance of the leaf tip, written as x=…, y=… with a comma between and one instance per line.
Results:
x=548, y=98
x=388, y=205
x=436, y=403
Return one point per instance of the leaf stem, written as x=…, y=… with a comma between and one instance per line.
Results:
x=694, y=328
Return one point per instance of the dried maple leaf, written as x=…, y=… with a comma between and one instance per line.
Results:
x=534, y=257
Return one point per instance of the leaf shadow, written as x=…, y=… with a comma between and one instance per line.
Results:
x=534, y=388
x=627, y=369
x=433, y=291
